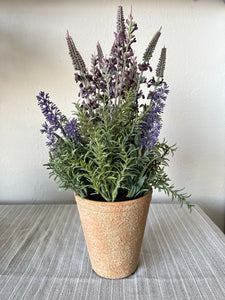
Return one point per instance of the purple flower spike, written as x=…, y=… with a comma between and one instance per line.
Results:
x=53, y=117
x=72, y=131
x=49, y=130
x=51, y=112
x=151, y=125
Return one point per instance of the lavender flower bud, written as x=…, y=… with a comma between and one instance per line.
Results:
x=120, y=20
x=161, y=65
x=100, y=53
x=151, y=47
x=77, y=60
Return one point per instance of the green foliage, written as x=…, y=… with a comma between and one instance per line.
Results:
x=111, y=164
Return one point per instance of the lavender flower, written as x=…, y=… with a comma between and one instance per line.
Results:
x=72, y=131
x=111, y=78
x=50, y=136
x=162, y=62
x=55, y=121
x=151, y=47
x=122, y=65
x=144, y=67
x=120, y=20
x=100, y=53
x=51, y=112
x=77, y=60
x=151, y=124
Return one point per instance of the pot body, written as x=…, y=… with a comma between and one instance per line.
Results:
x=113, y=232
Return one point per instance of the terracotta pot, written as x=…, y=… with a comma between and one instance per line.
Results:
x=113, y=232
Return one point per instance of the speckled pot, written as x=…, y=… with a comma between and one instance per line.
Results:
x=113, y=232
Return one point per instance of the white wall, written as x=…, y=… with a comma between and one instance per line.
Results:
x=34, y=57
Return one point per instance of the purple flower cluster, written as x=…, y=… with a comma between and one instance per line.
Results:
x=104, y=89
x=151, y=124
x=72, y=131
x=110, y=78
x=55, y=121
x=49, y=130
x=50, y=111
x=122, y=64
x=53, y=117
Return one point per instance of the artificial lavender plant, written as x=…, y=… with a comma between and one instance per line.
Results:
x=111, y=150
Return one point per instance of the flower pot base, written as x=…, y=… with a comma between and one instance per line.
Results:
x=116, y=274
x=113, y=232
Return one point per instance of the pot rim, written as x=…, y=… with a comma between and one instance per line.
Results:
x=93, y=204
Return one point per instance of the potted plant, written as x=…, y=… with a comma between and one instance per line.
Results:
x=110, y=154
